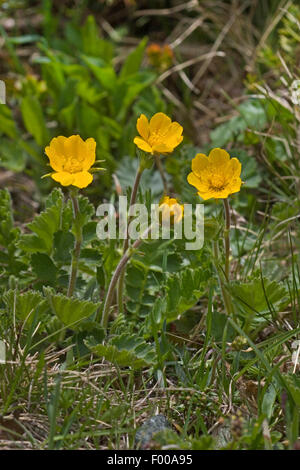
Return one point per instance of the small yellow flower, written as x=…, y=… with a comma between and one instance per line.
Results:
x=170, y=209
x=161, y=135
x=71, y=158
x=215, y=176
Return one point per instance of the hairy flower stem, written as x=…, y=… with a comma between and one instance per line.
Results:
x=118, y=272
x=226, y=237
x=126, y=240
x=226, y=273
x=162, y=173
x=226, y=299
x=78, y=242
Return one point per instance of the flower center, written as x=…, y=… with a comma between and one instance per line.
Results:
x=218, y=184
x=72, y=165
x=155, y=137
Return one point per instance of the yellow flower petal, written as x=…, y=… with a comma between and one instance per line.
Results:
x=199, y=163
x=55, y=151
x=71, y=158
x=173, y=136
x=158, y=136
x=64, y=178
x=90, y=153
x=160, y=122
x=194, y=180
x=218, y=157
x=75, y=148
x=235, y=185
x=205, y=196
x=216, y=176
x=142, y=126
x=162, y=147
x=170, y=209
x=82, y=179
x=142, y=144
x=234, y=167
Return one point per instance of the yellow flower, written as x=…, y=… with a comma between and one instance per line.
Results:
x=215, y=176
x=170, y=209
x=71, y=158
x=161, y=135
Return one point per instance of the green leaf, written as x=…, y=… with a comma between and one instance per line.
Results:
x=133, y=61
x=293, y=383
x=125, y=351
x=92, y=44
x=71, y=311
x=53, y=74
x=34, y=120
x=254, y=296
x=151, y=178
x=129, y=89
x=12, y=155
x=24, y=39
x=250, y=171
x=24, y=305
x=86, y=210
x=104, y=73
x=269, y=401
x=6, y=218
x=9, y=236
x=252, y=115
x=63, y=243
x=7, y=123
x=44, y=267
x=88, y=119
x=183, y=290
x=44, y=226
x=219, y=322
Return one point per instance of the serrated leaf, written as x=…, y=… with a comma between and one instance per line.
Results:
x=71, y=311
x=126, y=351
x=86, y=210
x=254, y=296
x=44, y=226
x=183, y=291
x=63, y=243
x=44, y=267
x=24, y=305
x=126, y=173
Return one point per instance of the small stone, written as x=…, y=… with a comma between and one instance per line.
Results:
x=149, y=428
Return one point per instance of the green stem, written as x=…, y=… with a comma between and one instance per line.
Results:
x=226, y=299
x=78, y=242
x=225, y=294
x=126, y=240
x=226, y=238
x=118, y=272
x=162, y=173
